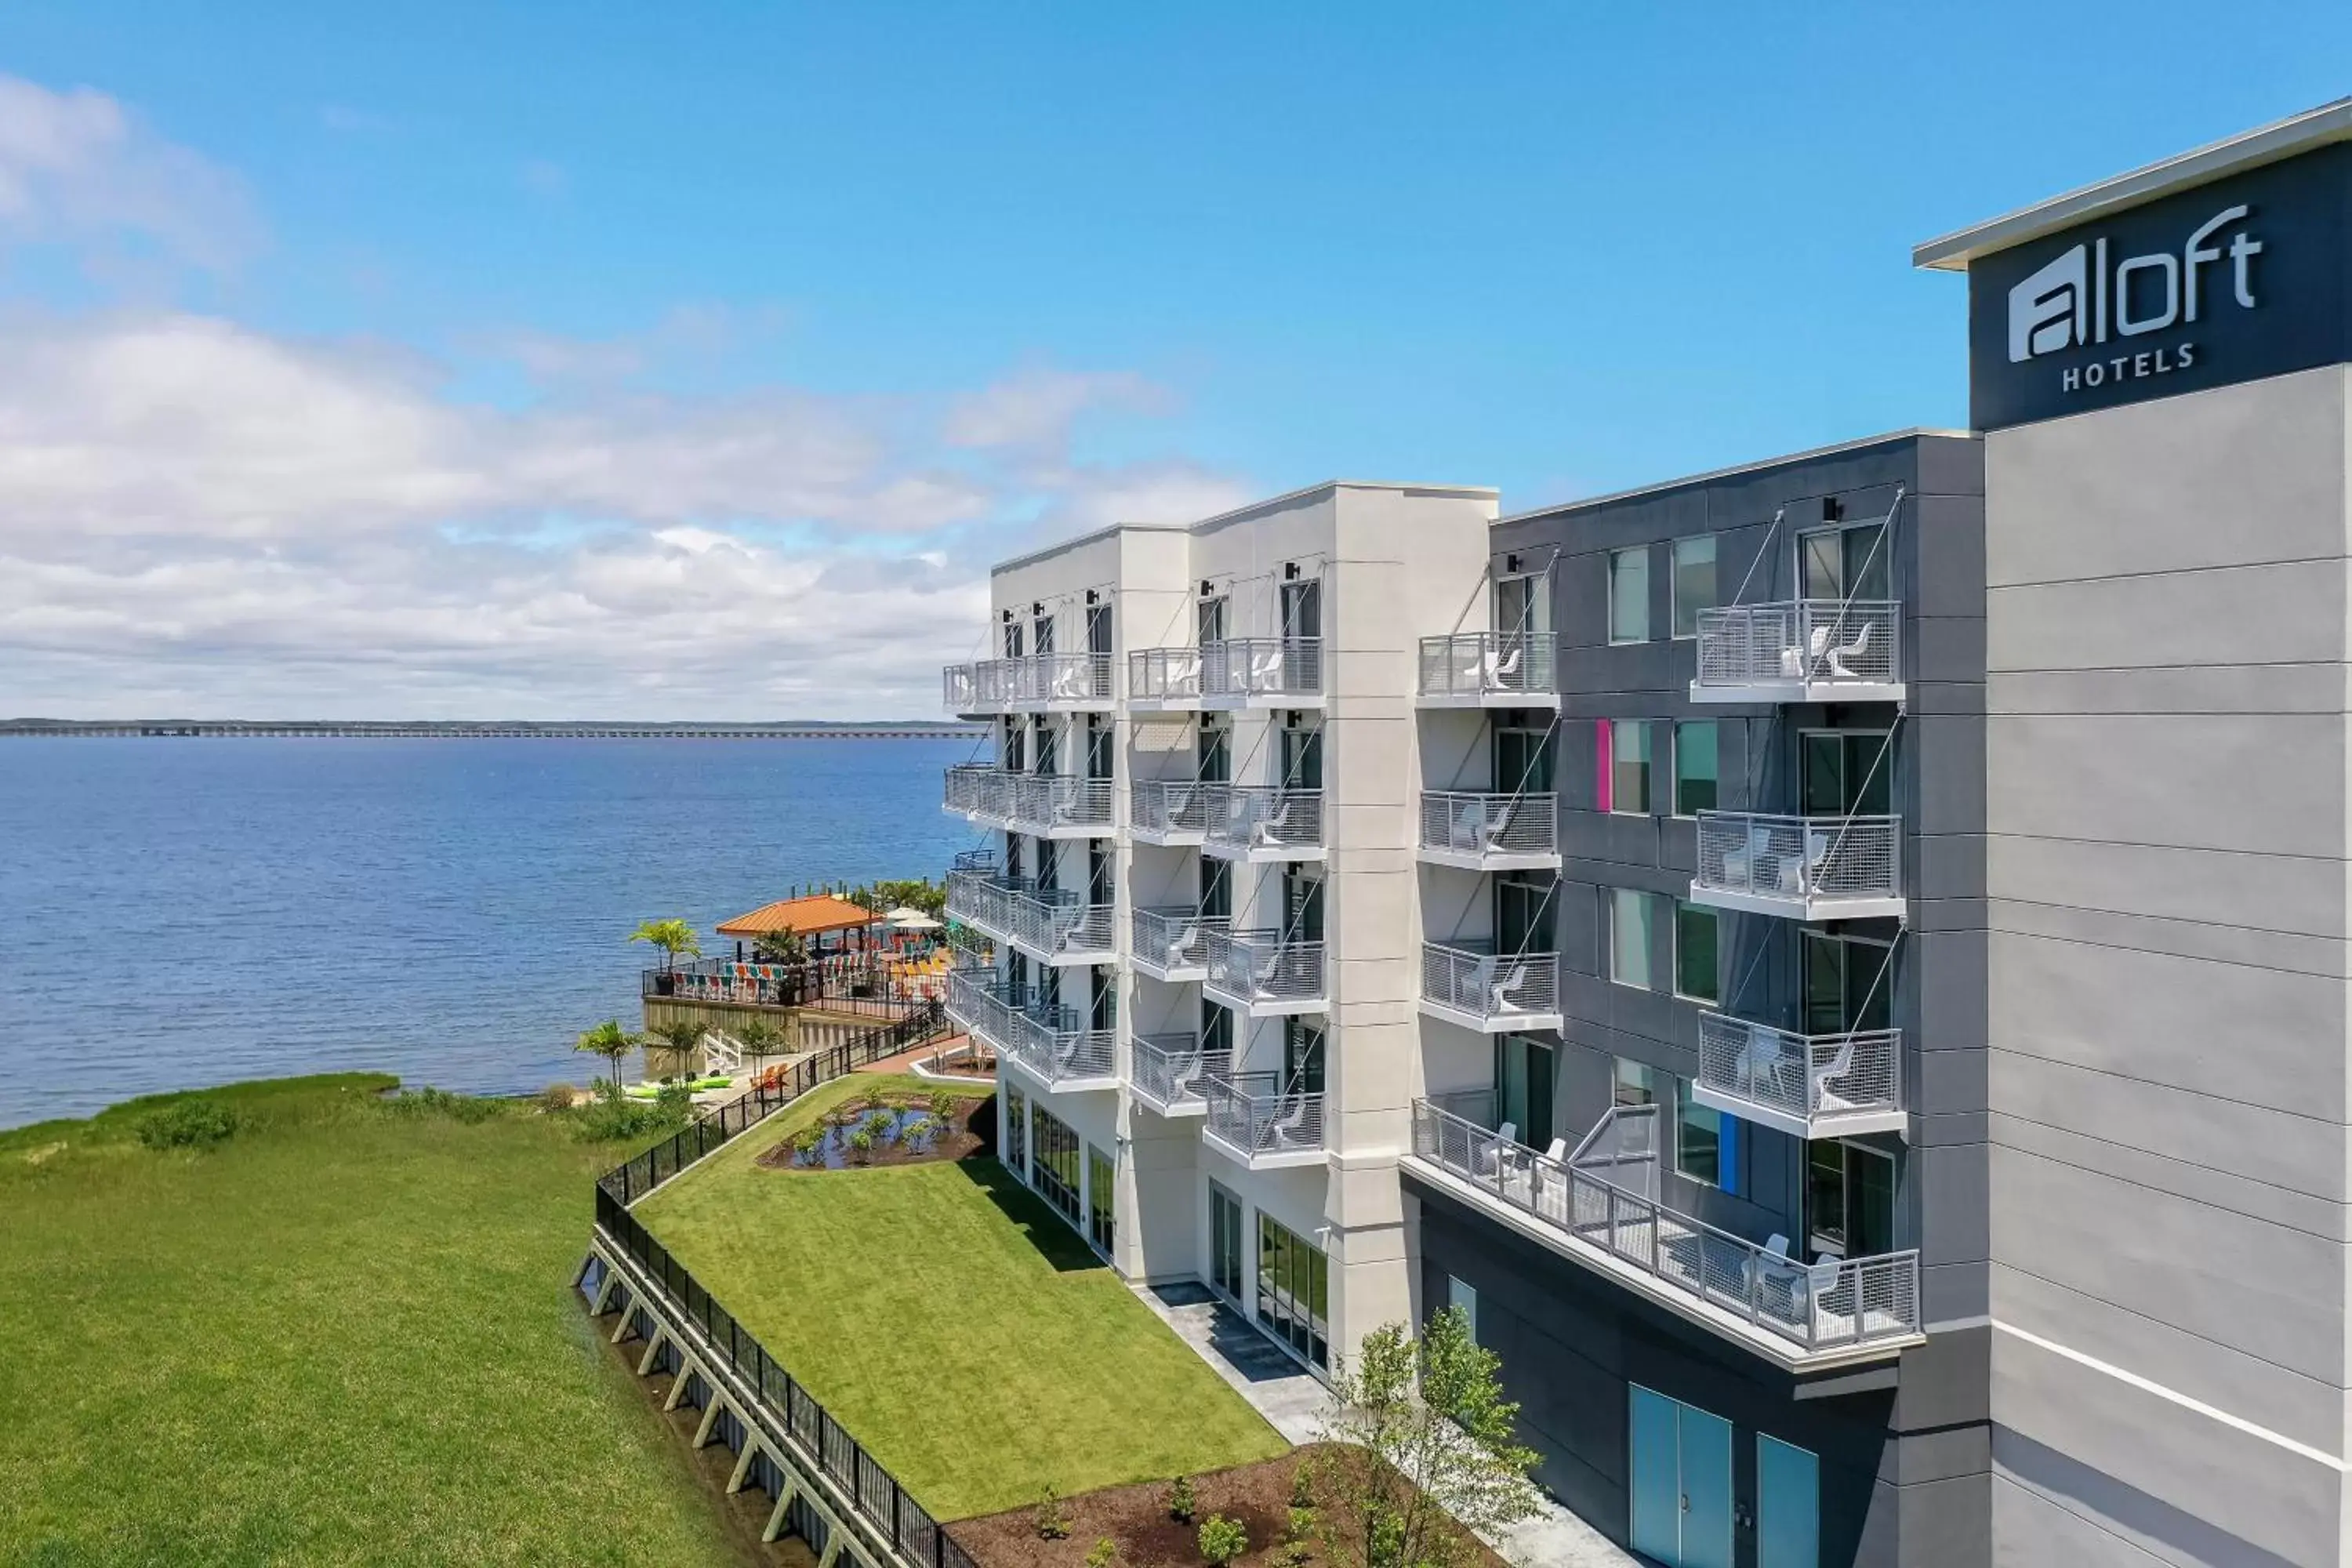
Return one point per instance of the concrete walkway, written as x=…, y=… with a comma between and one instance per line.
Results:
x=1293, y=1402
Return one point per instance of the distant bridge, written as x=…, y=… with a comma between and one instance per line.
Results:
x=366, y=731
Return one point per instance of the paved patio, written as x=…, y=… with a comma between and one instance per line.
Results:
x=1293, y=1402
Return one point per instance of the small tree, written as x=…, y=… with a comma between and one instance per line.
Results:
x=1105, y=1555
x=757, y=1036
x=611, y=1042
x=1053, y=1519
x=1181, y=1506
x=780, y=947
x=679, y=1035
x=673, y=937
x=1222, y=1539
x=1433, y=1436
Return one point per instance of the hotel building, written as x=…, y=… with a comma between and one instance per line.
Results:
x=1840, y=965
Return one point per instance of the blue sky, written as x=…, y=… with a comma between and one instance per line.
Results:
x=999, y=270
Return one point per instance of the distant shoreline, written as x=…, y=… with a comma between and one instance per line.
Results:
x=462, y=730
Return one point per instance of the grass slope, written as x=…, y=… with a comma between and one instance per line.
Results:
x=951, y=1321
x=344, y=1336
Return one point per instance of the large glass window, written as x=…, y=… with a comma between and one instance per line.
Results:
x=1054, y=1150
x=1098, y=628
x=1633, y=916
x=1016, y=1131
x=1849, y=1199
x=1523, y=913
x=1213, y=752
x=1302, y=1056
x=1209, y=619
x=1844, y=562
x=1698, y=1141
x=1697, y=975
x=1012, y=639
x=1635, y=1084
x=1695, y=587
x=1100, y=747
x=1225, y=1241
x=1302, y=755
x=1216, y=1035
x=1523, y=1087
x=1846, y=773
x=1844, y=986
x=1302, y=905
x=1695, y=768
x=1293, y=1292
x=1520, y=604
x=1102, y=1189
x=1629, y=595
x=1043, y=629
x=1629, y=766
x=1522, y=753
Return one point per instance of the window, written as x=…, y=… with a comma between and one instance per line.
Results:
x=1845, y=772
x=1213, y=752
x=1012, y=637
x=1098, y=746
x=1523, y=912
x=1098, y=628
x=1102, y=1189
x=1629, y=766
x=1216, y=1035
x=1042, y=629
x=1631, y=918
x=1302, y=1056
x=1844, y=562
x=1629, y=595
x=1225, y=1241
x=1694, y=582
x=1696, y=773
x=1293, y=1292
x=1523, y=1087
x=1521, y=606
x=1634, y=1084
x=1461, y=1293
x=1846, y=987
x=1696, y=973
x=1698, y=1141
x=1522, y=753
x=1849, y=1199
x=1016, y=1132
x=1209, y=619
x=1056, y=1173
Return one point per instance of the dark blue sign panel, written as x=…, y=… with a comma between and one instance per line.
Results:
x=2243, y=278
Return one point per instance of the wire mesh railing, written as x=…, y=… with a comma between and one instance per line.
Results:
x=1809, y=1077
x=1800, y=642
x=1049, y=921
x=1263, y=667
x=1490, y=664
x=1259, y=968
x=1167, y=1070
x=1467, y=976
x=1163, y=675
x=1481, y=823
x=1266, y=817
x=1052, y=1040
x=1829, y=1305
x=1800, y=857
x=1172, y=810
x=1254, y=1114
x=1172, y=940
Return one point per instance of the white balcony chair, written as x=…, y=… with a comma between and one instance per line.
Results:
x=1265, y=670
x=1186, y=940
x=1181, y=1080
x=1761, y=1062
x=1470, y=827
x=1066, y=682
x=1839, y=657
x=1490, y=1163
x=1266, y=834
x=1283, y=1133
x=1798, y=663
x=1506, y=987
x=1837, y=1066
x=1500, y=667
x=1819, y=1280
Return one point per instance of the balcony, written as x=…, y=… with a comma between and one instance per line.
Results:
x=1596, y=1207
x=1259, y=823
x=1481, y=830
x=1041, y=682
x=1490, y=669
x=1049, y=1042
x=1049, y=924
x=1800, y=868
x=1800, y=651
x=1262, y=672
x=1172, y=944
x=1258, y=974
x=1808, y=1085
x=1170, y=810
x=1465, y=982
x=1050, y=805
x=1164, y=680
x=1254, y=1121
x=1168, y=1073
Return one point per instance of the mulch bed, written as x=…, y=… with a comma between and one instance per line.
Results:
x=971, y=1130
x=1136, y=1520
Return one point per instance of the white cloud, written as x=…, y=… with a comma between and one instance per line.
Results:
x=1036, y=407
x=198, y=517
x=77, y=167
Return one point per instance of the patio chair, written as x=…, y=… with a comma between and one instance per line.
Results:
x=1283, y=1132
x=1469, y=825
x=1180, y=1077
x=1265, y=835
x=1501, y=666
x=1798, y=663
x=1760, y=1060
x=1819, y=1280
x=1266, y=670
x=1184, y=674
x=1490, y=1162
x=1506, y=987
x=1839, y=657
x=1186, y=940
x=1837, y=1066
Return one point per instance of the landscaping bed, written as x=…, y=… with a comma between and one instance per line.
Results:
x=895, y=1128
x=1137, y=1522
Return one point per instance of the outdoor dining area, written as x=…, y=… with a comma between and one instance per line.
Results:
x=800, y=951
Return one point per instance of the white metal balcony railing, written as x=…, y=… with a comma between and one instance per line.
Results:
x=1488, y=829
x=1806, y=1085
x=1468, y=979
x=1045, y=803
x=1599, y=1197
x=1504, y=668
x=1269, y=669
x=1259, y=971
x=1265, y=821
x=1253, y=1115
x=1039, y=680
x=1050, y=922
x=1777, y=863
x=1166, y=1072
x=1173, y=944
x=1051, y=1041
x=1163, y=675
x=1799, y=649
x=1170, y=811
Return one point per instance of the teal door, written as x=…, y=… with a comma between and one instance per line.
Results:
x=1681, y=1483
x=1788, y=1505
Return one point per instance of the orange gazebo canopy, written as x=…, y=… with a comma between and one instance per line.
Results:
x=810, y=916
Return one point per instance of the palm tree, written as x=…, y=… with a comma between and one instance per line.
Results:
x=681, y=1035
x=611, y=1042
x=673, y=937
x=781, y=947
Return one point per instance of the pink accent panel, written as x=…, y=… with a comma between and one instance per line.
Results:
x=1603, y=790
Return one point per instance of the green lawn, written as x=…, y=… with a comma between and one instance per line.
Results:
x=344, y=1336
x=952, y=1322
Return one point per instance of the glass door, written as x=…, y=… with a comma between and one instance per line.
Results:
x=1849, y=1199
x=1843, y=564
x=1681, y=1490
x=1845, y=772
x=1216, y=900
x=1302, y=905
x=1209, y=620
x=1788, y=1505
x=1302, y=756
x=1098, y=747
x=1213, y=753
x=1523, y=1088
x=1522, y=915
x=1224, y=1241
x=1302, y=1056
x=1844, y=986
x=1522, y=756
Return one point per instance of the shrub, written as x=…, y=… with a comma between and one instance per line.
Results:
x=1053, y=1518
x=879, y=1121
x=430, y=1101
x=1299, y=1529
x=809, y=1141
x=943, y=1108
x=188, y=1124
x=615, y=1117
x=1302, y=1485
x=674, y=1102
x=1292, y=1554
x=861, y=1145
x=1181, y=1506
x=1105, y=1555
x=1222, y=1539
x=558, y=1098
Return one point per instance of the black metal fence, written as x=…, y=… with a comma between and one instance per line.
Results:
x=778, y=1403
